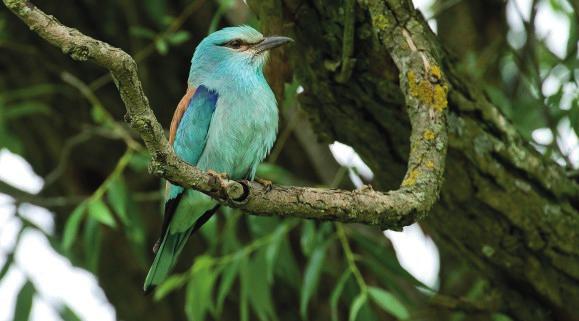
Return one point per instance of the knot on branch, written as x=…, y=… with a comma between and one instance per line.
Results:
x=128, y=119
x=139, y=123
x=160, y=157
x=78, y=53
x=237, y=191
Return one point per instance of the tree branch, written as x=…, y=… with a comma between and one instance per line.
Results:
x=48, y=202
x=426, y=97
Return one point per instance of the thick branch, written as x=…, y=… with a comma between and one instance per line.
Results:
x=422, y=82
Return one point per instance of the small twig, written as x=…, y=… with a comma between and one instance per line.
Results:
x=488, y=305
x=150, y=48
x=88, y=93
x=350, y=257
x=62, y=163
x=117, y=171
x=48, y=202
x=348, y=42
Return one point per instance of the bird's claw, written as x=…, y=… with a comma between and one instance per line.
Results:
x=216, y=174
x=156, y=246
x=266, y=183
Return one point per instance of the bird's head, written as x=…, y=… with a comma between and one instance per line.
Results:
x=231, y=52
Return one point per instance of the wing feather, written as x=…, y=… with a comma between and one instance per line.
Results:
x=192, y=128
x=179, y=111
x=188, y=135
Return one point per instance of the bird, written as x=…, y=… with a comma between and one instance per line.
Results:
x=225, y=123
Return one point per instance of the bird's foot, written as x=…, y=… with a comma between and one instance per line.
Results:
x=217, y=179
x=265, y=182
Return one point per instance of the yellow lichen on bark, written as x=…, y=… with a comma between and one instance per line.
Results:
x=411, y=80
x=432, y=95
x=439, y=101
x=436, y=72
x=410, y=179
x=429, y=164
x=429, y=135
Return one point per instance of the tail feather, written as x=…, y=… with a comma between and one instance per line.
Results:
x=165, y=259
x=185, y=213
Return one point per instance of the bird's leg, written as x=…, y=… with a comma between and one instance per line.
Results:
x=265, y=182
x=156, y=246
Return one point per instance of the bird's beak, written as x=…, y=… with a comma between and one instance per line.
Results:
x=272, y=42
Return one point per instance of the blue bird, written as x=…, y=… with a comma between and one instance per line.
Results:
x=226, y=122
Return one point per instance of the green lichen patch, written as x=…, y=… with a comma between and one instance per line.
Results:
x=488, y=250
x=380, y=22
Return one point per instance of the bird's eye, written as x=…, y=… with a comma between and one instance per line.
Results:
x=234, y=44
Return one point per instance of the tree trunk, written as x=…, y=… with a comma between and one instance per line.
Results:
x=509, y=211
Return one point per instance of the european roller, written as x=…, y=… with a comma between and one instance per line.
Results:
x=226, y=123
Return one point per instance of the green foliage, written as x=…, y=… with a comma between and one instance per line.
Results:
x=92, y=239
x=500, y=317
x=260, y=293
x=68, y=315
x=337, y=292
x=256, y=267
x=72, y=226
x=24, y=302
x=228, y=274
x=388, y=302
x=312, y=277
x=101, y=213
x=21, y=104
x=357, y=304
x=199, y=289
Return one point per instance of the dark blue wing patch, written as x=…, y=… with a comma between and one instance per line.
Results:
x=192, y=131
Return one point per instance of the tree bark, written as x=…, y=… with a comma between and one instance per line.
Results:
x=512, y=213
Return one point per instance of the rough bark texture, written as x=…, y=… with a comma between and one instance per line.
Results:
x=511, y=212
